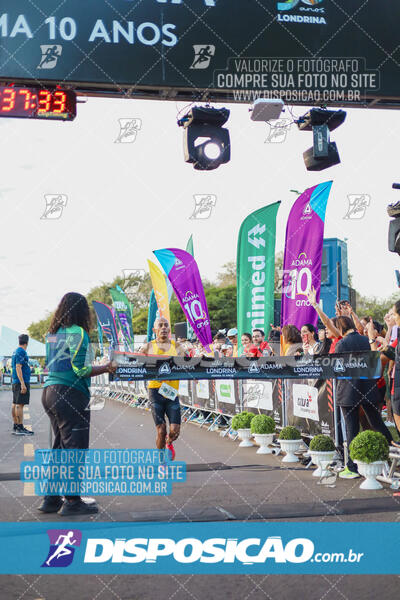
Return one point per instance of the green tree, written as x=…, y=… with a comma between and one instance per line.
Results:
x=138, y=290
x=370, y=306
x=227, y=276
x=38, y=330
x=222, y=306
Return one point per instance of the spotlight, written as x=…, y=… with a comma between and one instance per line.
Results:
x=393, y=211
x=206, y=144
x=324, y=153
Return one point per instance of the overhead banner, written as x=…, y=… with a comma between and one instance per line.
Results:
x=183, y=273
x=303, y=255
x=256, y=270
x=303, y=51
x=160, y=290
x=355, y=365
x=106, y=321
x=122, y=309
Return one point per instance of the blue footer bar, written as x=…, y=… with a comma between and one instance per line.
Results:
x=208, y=548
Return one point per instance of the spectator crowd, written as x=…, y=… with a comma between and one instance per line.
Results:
x=361, y=402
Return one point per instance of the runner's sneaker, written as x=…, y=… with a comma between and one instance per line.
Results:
x=347, y=474
x=17, y=430
x=26, y=431
x=171, y=448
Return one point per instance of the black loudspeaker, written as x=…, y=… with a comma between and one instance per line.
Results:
x=180, y=330
x=319, y=164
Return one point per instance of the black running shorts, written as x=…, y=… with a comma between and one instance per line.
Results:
x=161, y=406
x=19, y=398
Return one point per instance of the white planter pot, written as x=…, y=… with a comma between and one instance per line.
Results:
x=370, y=471
x=263, y=440
x=321, y=457
x=245, y=435
x=290, y=447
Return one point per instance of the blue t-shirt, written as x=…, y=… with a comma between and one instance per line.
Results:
x=20, y=357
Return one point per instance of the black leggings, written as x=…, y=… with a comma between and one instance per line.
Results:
x=352, y=421
x=66, y=408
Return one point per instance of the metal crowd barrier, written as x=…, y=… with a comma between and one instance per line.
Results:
x=35, y=379
x=306, y=404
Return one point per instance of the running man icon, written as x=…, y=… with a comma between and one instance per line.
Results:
x=63, y=543
x=202, y=56
x=50, y=56
x=62, y=549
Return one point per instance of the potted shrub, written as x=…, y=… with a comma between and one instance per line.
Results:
x=291, y=442
x=322, y=449
x=369, y=450
x=241, y=424
x=263, y=428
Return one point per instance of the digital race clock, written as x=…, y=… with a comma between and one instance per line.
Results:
x=37, y=103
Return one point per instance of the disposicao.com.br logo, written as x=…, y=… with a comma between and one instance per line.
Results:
x=63, y=543
x=248, y=551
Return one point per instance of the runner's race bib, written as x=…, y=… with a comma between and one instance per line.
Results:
x=168, y=391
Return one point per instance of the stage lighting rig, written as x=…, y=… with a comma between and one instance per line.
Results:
x=206, y=144
x=393, y=210
x=321, y=122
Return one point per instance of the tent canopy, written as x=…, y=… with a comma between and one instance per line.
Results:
x=9, y=342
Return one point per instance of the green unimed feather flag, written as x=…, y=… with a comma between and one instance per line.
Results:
x=256, y=271
x=189, y=246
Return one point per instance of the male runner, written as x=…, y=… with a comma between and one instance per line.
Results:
x=163, y=395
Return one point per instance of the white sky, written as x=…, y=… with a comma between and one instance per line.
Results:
x=125, y=200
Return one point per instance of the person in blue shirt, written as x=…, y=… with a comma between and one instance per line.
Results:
x=21, y=375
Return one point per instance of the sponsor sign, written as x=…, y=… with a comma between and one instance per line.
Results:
x=202, y=390
x=225, y=391
x=258, y=394
x=184, y=388
x=305, y=402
